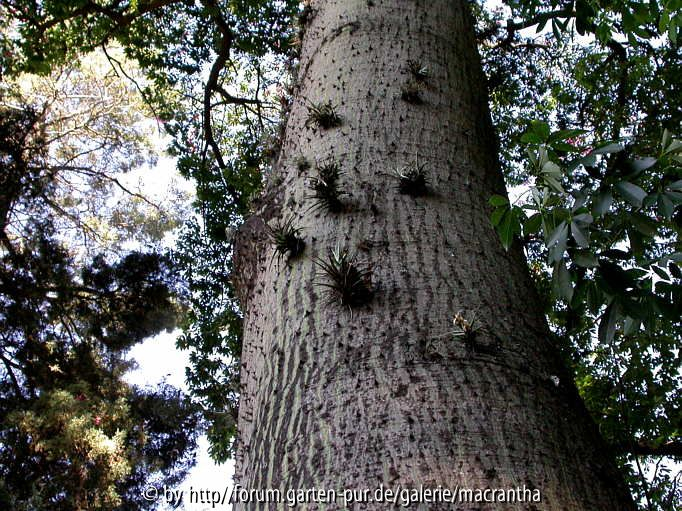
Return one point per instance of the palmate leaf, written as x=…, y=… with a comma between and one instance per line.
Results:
x=602, y=203
x=608, y=323
x=580, y=234
x=506, y=220
x=631, y=193
x=509, y=227
x=562, y=285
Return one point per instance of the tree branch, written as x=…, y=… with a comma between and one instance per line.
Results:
x=8, y=366
x=542, y=17
x=513, y=27
x=213, y=86
x=234, y=100
x=89, y=172
x=646, y=448
x=113, y=61
x=121, y=20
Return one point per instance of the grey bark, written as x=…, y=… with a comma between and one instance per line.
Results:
x=333, y=398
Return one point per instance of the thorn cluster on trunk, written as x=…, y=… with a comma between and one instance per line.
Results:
x=287, y=239
x=323, y=115
x=325, y=186
x=412, y=179
x=347, y=283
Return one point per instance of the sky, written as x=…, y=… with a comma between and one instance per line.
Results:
x=159, y=361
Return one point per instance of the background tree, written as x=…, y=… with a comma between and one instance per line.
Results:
x=74, y=434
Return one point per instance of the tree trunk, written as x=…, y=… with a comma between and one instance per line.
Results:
x=392, y=392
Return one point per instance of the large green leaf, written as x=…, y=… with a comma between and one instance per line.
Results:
x=631, y=193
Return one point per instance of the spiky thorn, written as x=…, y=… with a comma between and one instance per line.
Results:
x=347, y=283
x=325, y=186
x=467, y=328
x=323, y=115
x=412, y=179
x=286, y=239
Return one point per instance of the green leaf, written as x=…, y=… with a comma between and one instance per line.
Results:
x=564, y=146
x=531, y=138
x=589, y=160
x=553, y=183
x=675, y=197
x=665, y=139
x=631, y=193
x=601, y=203
x=496, y=215
x=630, y=326
x=555, y=30
x=585, y=259
x=509, y=226
x=562, y=285
x=614, y=253
x=642, y=164
x=608, y=323
x=559, y=235
x=594, y=297
x=663, y=22
x=672, y=31
x=675, y=270
x=565, y=134
x=580, y=200
x=675, y=146
x=609, y=149
x=580, y=234
x=541, y=129
x=583, y=218
x=551, y=169
x=649, y=200
x=644, y=224
x=665, y=206
x=532, y=224
x=636, y=242
x=660, y=272
x=498, y=200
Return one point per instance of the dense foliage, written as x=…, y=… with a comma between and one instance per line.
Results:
x=598, y=171
x=585, y=95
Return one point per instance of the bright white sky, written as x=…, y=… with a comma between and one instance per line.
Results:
x=160, y=361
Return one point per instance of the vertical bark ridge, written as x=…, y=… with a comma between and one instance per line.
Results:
x=333, y=398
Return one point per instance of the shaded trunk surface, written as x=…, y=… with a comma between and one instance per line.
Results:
x=333, y=398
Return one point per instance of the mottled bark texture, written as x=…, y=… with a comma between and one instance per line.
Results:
x=333, y=398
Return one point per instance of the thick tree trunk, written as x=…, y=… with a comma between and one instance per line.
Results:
x=385, y=393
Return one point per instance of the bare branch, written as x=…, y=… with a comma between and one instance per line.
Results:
x=672, y=448
x=113, y=61
x=9, y=367
x=542, y=17
x=213, y=86
x=103, y=175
